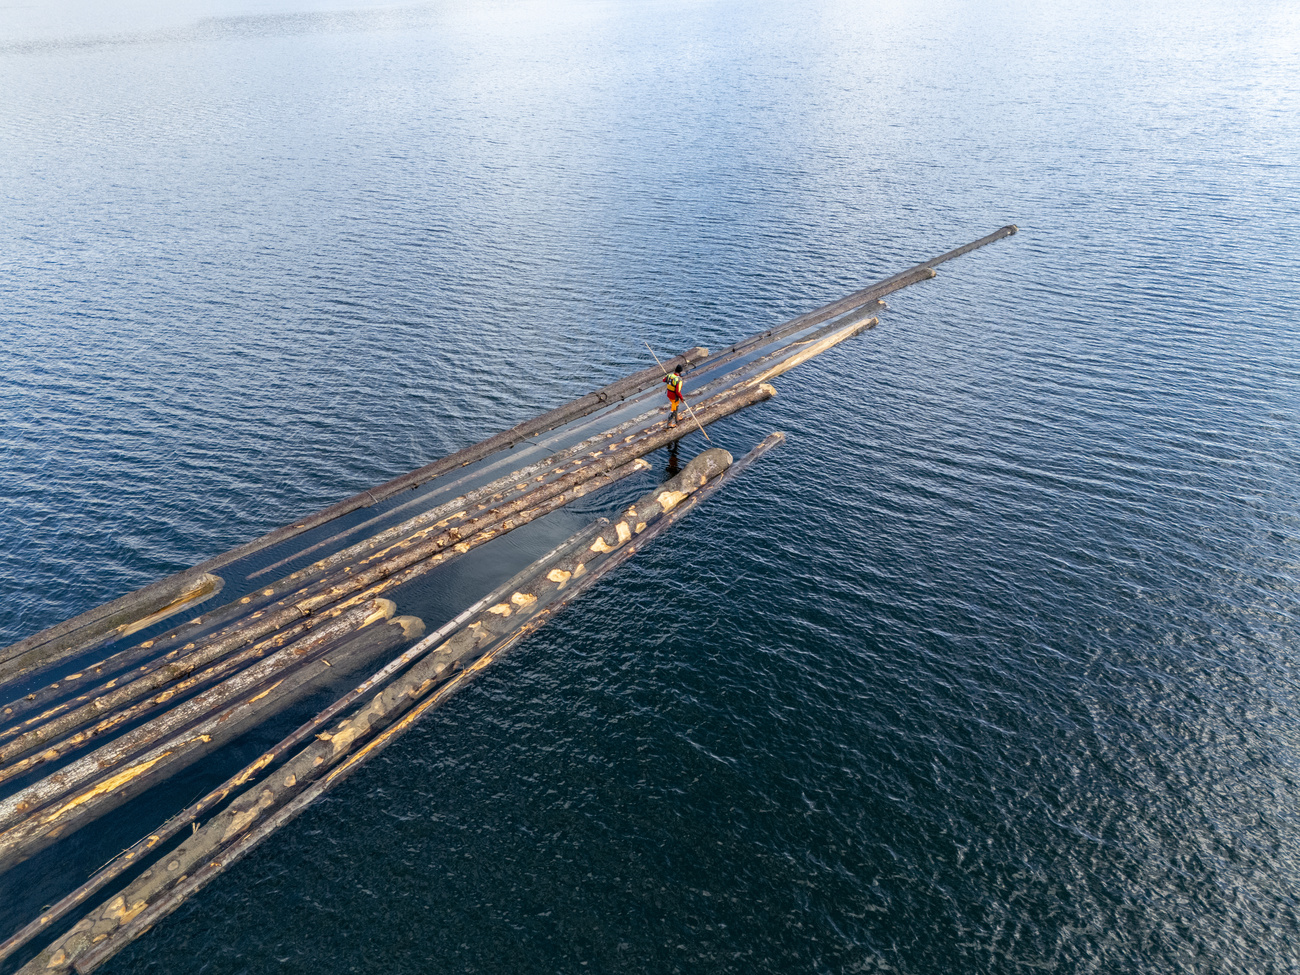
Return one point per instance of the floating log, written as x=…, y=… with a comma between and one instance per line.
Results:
x=229, y=834
x=191, y=814
x=95, y=626
x=848, y=326
x=813, y=350
x=123, y=616
x=240, y=655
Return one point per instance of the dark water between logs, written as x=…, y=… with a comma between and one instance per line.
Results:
x=991, y=668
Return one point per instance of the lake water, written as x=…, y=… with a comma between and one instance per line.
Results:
x=991, y=668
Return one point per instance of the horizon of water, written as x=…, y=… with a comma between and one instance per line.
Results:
x=991, y=667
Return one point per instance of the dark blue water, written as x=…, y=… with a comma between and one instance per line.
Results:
x=992, y=668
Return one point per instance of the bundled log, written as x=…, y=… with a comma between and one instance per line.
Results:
x=259, y=811
x=195, y=811
x=97, y=783
x=376, y=573
x=98, y=625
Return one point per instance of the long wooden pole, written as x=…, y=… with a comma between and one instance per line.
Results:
x=682, y=394
x=861, y=316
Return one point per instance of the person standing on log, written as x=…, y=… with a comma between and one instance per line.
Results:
x=674, y=381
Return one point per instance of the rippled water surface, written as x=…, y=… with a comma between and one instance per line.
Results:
x=992, y=668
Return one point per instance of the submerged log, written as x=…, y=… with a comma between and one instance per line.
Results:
x=291, y=656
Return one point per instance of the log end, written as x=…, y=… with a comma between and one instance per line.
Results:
x=412, y=626
x=383, y=609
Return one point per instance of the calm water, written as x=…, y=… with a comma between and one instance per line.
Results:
x=992, y=668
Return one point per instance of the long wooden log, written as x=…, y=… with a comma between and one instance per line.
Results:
x=102, y=935
x=812, y=351
x=112, y=923
x=192, y=813
x=245, y=706
x=94, y=626
x=216, y=696
x=445, y=516
x=80, y=633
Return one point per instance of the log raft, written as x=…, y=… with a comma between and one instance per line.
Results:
x=86, y=742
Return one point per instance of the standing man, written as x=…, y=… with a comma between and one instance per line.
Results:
x=674, y=381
